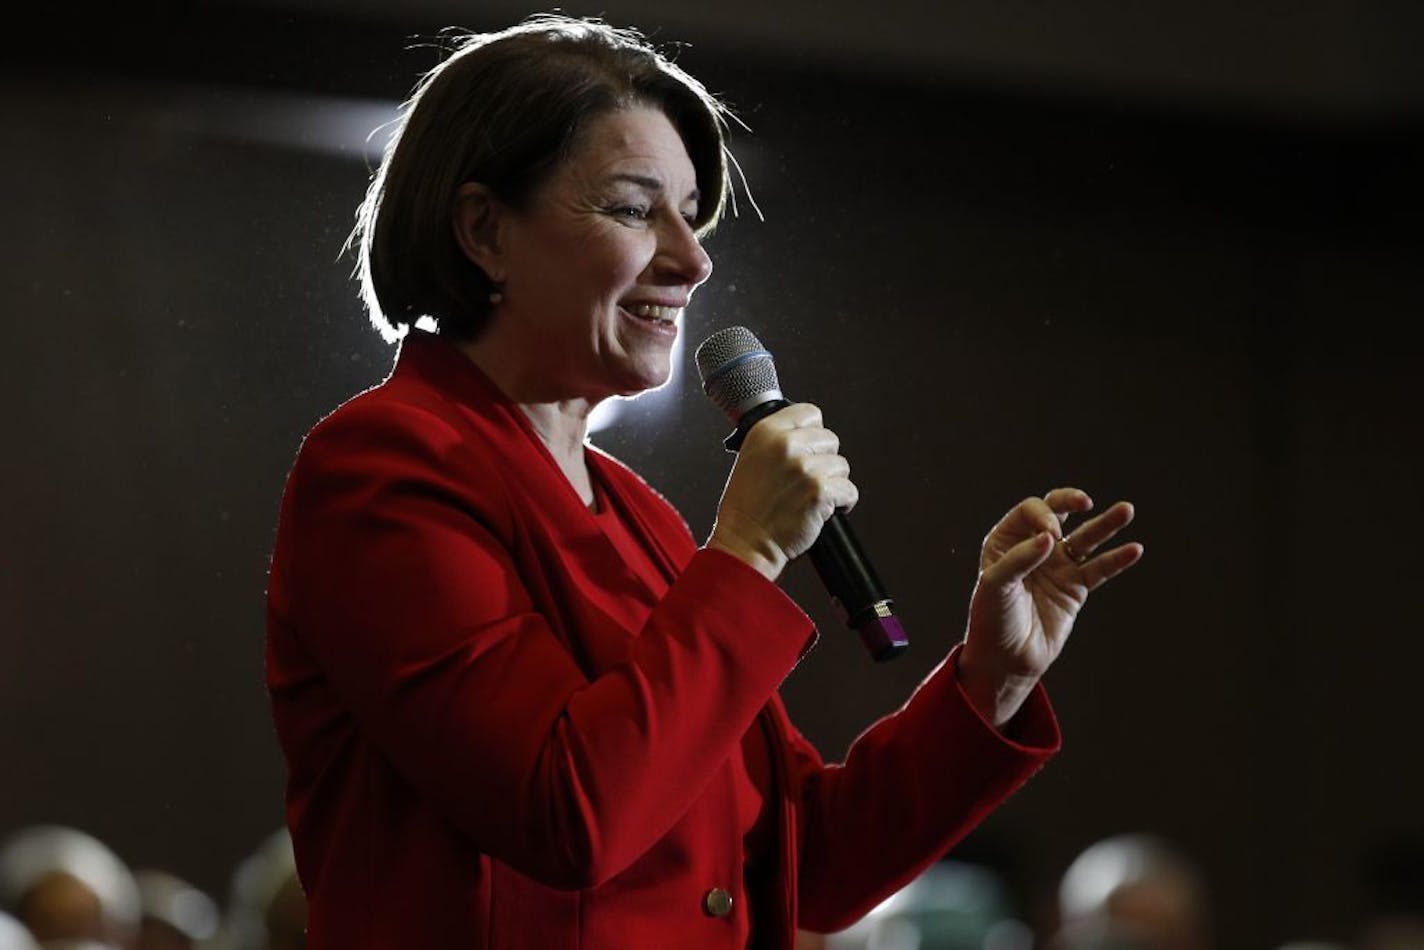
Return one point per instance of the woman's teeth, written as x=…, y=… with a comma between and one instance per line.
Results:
x=647, y=311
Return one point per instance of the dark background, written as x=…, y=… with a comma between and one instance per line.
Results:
x=1168, y=252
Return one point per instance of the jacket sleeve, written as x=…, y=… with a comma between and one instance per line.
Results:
x=911, y=786
x=402, y=593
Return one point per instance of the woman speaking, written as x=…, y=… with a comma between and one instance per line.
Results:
x=520, y=706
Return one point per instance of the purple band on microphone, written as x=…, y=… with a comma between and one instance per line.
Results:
x=884, y=637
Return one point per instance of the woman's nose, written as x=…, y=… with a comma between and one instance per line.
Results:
x=681, y=254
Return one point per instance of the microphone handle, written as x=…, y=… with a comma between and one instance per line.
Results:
x=844, y=569
x=856, y=589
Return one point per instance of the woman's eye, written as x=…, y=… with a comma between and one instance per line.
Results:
x=630, y=212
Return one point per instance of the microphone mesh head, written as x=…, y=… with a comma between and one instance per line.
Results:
x=735, y=369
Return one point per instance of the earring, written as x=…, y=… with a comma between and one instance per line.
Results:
x=496, y=296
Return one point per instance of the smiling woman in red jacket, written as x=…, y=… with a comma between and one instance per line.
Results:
x=520, y=706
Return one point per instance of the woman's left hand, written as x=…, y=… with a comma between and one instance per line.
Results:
x=1034, y=577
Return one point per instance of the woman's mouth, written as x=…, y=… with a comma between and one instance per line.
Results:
x=652, y=313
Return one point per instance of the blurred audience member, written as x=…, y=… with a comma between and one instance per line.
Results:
x=1132, y=892
x=68, y=888
x=14, y=936
x=176, y=915
x=953, y=905
x=267, y=909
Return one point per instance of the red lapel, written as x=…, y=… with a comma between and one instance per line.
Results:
x=593, y=602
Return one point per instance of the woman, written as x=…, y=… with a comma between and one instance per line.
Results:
x=520, y=706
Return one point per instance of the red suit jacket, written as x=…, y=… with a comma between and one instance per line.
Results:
x=498, y=736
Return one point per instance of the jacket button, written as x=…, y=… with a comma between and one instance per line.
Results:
x=717, y=902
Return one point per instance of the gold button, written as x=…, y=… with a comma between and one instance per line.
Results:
x=717, y=902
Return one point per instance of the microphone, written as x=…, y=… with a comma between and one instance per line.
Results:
x=740, y=377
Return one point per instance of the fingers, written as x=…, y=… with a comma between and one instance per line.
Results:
x=1015, y=548
x=1109, y=564
x=828, y=477
x=789, y=478
x=799, y=439
x=1080, y=544
x=798, y=415
x=1020, y=560
x=1035, y=514
x=1050, y=512
x=797, y=428
x=1028, y=517
x=1083, y=540
x=811, y=440
x=1066, y=501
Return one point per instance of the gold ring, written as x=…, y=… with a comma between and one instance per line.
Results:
x=1068, y=550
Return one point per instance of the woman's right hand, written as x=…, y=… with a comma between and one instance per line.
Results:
x=788, y=479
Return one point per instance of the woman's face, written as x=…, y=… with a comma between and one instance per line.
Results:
x=598, y=268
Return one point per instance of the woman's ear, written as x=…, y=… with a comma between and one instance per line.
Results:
x=477, y=217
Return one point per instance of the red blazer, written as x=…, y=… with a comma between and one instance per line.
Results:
x=498, y=736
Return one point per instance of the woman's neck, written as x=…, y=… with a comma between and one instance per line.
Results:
x=561, y=424
x=562, y=427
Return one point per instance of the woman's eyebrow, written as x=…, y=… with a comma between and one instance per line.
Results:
x=649, y=183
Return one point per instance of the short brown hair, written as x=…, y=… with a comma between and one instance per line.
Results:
x=503, y=109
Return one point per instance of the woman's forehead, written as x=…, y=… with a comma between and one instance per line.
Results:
x=638, y=146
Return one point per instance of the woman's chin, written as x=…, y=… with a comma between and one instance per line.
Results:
x=640, y=368
x=645, y=378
